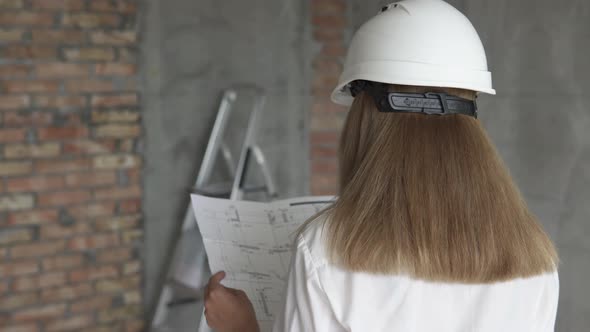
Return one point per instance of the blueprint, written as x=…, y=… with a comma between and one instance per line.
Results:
x=252, y=242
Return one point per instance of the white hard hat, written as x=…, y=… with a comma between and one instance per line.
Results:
x=416, y=42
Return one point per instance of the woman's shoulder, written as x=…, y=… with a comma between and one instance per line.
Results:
x=312, y=240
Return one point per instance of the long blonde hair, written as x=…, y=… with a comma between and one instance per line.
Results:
x=429, y=197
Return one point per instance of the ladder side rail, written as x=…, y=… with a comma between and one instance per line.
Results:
x=237, y=193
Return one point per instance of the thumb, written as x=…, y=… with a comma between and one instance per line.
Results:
x=216, y=278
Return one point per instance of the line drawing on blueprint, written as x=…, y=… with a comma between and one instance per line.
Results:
x=252, y=242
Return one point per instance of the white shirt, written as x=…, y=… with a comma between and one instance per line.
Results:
x=323, y=297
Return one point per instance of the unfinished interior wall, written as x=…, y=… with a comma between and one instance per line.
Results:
x=540, y=121
x=191, y=50
x=70, y=194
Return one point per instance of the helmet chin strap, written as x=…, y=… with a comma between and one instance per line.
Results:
x=430, y=103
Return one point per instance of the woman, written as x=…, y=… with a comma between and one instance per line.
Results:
x=429, y=233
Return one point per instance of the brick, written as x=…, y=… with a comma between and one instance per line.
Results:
x=12, y=135
x=119, y=314
x=28, y=52
x=14, y=102
x=113, y=37
x=115, y=193
x=324, y=138
x=59, y=4
x=42, y=150
x=87, y=147
x=323, y=152
x=117, y=223
x=120, y=100
x=116, y=161
x=127, y=145
x=324, y=183
x=326, y=106
x=86, y=20
x=132, y=297
x=115, y=69
x=132, y=237
x=61, y=70
x=33, y=217
x=15, y=168
x=57, y=231
x=328, y=121
x=16, y=235
x=62, y=262
x=11, y=35
x=63, y=198
x=89, y=54
x=13, y=70
x=11, y=4
x=30, y=86
x=61, y=166
x=327, y=65
x=134, y=326
x=92, y=210
x=134, y=175
x=31, y=119
x=68, y=292
x=118, y=131
x=333, y=49
x=101, y=328
x=324, y=166
x=82, y=86
x=93, y=273
x=70, y=323
x=325, y=35
x=11, y=269
x=121, y=6
x=128, y=54
x=37, y=249
x=131, y=268
x=40, y=313
x=115, y=255
x=60, y=102
x=29, y=327
x=115, y=116
x=61, y=133
x=130, y=206
x=96, y=241
x=321, y=21
x=41, y=281
x=61, y=36
x=91, y=179
x=91, y=304
x=16, y=202
x=34, y=184
x=16, y=301
x=24, y=18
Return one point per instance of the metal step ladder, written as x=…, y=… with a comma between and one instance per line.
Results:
x=221, y=174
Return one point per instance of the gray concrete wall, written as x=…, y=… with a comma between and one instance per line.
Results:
x=538, y=51
x=191, y=50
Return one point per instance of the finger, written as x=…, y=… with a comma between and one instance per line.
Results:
x=216, y=278
x=206, y=291
x=234, y=291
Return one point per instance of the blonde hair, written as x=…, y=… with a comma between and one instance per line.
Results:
x=429, y=197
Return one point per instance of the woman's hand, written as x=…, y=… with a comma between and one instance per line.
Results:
x=228, y=309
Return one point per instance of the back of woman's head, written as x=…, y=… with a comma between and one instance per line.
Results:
x=428, y=196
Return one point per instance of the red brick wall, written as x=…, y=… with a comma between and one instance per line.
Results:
x=330, y=23
x=70, y=220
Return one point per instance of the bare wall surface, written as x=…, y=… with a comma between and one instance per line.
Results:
x=191, y=50
x=538, y=51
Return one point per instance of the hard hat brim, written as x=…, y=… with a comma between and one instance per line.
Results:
x=411, y=73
